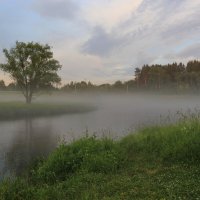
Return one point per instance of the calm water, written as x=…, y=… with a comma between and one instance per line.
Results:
x=23, y=140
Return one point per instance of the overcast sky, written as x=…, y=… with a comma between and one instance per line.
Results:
x=104, y=40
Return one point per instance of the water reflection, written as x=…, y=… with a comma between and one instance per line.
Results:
x=23, y=140
x=29, y=142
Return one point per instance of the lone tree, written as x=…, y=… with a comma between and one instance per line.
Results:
x=31, y=66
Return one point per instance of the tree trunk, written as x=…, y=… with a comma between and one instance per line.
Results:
x=28, y=98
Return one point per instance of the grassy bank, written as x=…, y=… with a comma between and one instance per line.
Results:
x=155, y=163
x=17, y=110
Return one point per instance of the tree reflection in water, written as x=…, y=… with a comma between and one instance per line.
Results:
x=30, y=143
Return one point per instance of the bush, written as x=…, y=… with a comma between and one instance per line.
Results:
x=87, y=154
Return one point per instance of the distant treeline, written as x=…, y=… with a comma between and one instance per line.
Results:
x=175, y=77
x=106, y=87
x=11, y=86
x=171, y=76
x=14, y=87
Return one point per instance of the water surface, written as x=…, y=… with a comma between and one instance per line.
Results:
x=117, y=115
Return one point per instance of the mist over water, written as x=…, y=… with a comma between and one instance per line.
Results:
x=116, y=115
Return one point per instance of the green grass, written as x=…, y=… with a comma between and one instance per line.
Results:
x=16, y=110
x=155, y=163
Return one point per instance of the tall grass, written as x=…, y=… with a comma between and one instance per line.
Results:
x=159, y=162
x=179, y=142
x=87, y=154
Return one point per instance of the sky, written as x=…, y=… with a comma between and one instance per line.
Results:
x=104, y=40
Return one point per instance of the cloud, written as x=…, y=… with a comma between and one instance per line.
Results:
x=101, y=43
x=63, y=9
x=153, y=30
x=193, y=51
x=108, y=14
x=105, y=40
x=183, y=23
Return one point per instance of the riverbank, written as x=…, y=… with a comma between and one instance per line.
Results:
x=155, y=163
x=18, y=110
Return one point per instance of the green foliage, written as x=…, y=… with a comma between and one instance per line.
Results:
x=175, y=76
x=15, y=189
x=155, y=163
x=31, y=65
x=87, y=154
x=180, y=142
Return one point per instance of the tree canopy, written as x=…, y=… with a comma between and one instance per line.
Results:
x=171, y=76
x=31, y=66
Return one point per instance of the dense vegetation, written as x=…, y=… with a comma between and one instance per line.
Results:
x=175, y=77
x=155, y=163
x=17, y=110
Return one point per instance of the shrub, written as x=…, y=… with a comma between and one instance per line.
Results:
x=87, y=154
